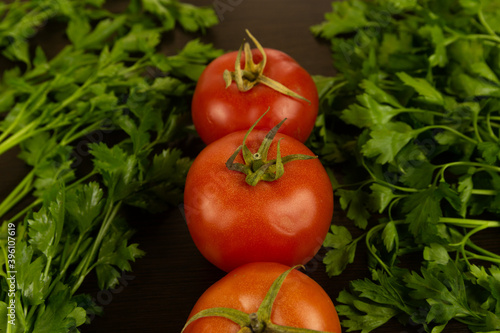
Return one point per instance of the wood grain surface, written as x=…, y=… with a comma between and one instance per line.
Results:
x=159, y=293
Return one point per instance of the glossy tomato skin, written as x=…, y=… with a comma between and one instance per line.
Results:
x=218, y=111
x=301, y=302
x=233, y=223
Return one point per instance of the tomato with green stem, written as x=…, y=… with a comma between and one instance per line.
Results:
x=257, y=196
x=235, y=87
x=264, y=297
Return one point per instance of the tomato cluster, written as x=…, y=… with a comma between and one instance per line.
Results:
x=257, y=201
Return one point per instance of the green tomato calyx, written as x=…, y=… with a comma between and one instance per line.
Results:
x=253, y=73
x=257, y=167
x=257, y=322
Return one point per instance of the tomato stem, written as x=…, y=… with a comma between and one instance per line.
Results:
x=257, y=167
x=257, y=322
x=253, y=73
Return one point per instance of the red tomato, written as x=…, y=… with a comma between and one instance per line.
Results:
x=218, y=111
x=300, y=302
x=233, y=223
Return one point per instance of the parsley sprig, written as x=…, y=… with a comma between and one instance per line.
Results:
x=81, y=90
x=410, y=127
x=98, y=123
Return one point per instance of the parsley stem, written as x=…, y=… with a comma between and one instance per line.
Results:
x=18, y=137
x=490, y=127
x=21, y=190
x=469, y=322
x=495, y=118
x=369, y=235
x=488, y=119
x=465, y=239
x=471, y=255
x=414, y=110
x=469, y=223
x=393, y=204
x=25, y=210
x=80, y=180
x=47, y=268
x=34, y=102
x=37, y=98
x=484, y=192
x=33, y=128
x=334, y=86
x=84, y=270
x=482, y=250
x=454, y=131
x=70, y=136
x=459, y=35
x=473, y=164
x=357, y=184
x=5, y=254
x=475, y=125
x=138, y=65
x=68, y=261
x=75, y=96
x=485, y=24
x=385, y=183
x=28, y=316
x=479, y=36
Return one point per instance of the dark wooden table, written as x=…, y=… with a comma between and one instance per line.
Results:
x=159, y=293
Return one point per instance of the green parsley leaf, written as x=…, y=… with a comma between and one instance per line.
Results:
x=191, y=18
x=418, y=174
x=387, y=140
x=443, y=288
x=380, y=197
x=353, y=202
x=61, y=314
x=117, y=168
x=436, y=253
x=390, y=236
x=345, y=17
x=490, y=151
x=114, y=256
x=84, y=205
x=341, y=250
x=188, y=62
x=363, y=316
x=104, y=30
x=423, y=212
x=423, y=87
x=368, y=112
x=436, y=35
